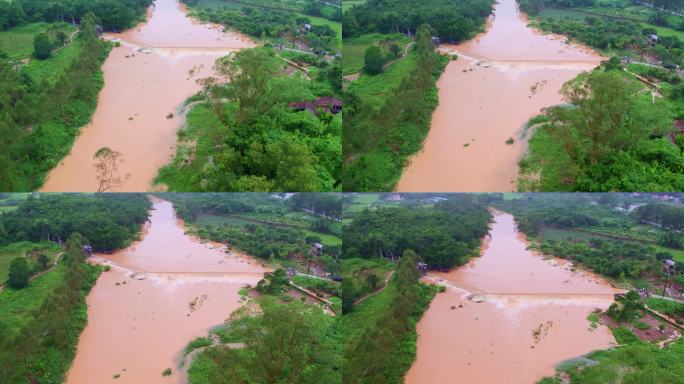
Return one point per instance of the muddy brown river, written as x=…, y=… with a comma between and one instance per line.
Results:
x=140, y=90
x=534, y=315
x=501, y=79
x=138, y=328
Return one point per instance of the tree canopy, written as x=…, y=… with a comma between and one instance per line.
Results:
x=443, y=236
x=108, y=221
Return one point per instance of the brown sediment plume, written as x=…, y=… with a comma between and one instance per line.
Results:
x=161, y=292
x=502, y=78
x=509, y=315
x=145, y=79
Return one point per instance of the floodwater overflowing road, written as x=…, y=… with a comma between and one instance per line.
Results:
x=138, y=328
x=534, y=315
x=501, y=79
x=141, y=89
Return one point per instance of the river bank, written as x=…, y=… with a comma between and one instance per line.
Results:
x=510, y=308
x=147, y=79
x=501, y=79
x=159, y=294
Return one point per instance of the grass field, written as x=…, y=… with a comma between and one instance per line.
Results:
x=335, y=25
x=639, y=14
x=51, y=68
x=326, y=239
x=353, y=49
x=374, y=89
x=557, y=13
x=9, y=252
x=362, y=201
x=347, y=4
x=217, y=220
x=16, y=305
x=17, y=42
x=677, y=254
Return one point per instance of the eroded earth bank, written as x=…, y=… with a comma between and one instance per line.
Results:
x=501, y=79
x=509, y=316
x=160, y=293
x=146, y=80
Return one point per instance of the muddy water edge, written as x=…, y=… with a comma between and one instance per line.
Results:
x=501, y=79
x=530, y=314
x=146, y=80
x=137, y=328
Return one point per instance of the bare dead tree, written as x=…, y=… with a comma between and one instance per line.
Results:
x=106, y=165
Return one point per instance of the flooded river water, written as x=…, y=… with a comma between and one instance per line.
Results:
x=501, y=79
x=138, y=328
x=140, y=91
x=534, y=315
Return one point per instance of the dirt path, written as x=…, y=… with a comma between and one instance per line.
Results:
x=39, y=274
x=371, y=294
x=355, y=76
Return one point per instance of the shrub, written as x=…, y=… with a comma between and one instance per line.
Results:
x=19, y=273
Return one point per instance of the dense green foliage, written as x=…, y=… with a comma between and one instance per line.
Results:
x=668, y=216
x=382, y=130
x=279, y=24
x=107, y=221
x=633, y=362
x=41, y=324
x=320, y=203
x=190, y=205
x=285, y=343
x=259, y=235
x=41, y=116
x=608, y=257
x=373, y=60
x=114, y=15
x=611, y=137
x=443, y=236
x=362, y=277
x=380, y=335
x=42, y=46
x=259, y=240
x=354, y=49
x=243, y=136
x=452, y=20
x=613, y=25
x=620, y=259
x=19, y=273
x=39, y=256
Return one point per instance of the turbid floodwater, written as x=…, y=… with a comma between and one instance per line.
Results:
x=532, y=317
x=501, y=79
x=138, y=328
x=145, y=79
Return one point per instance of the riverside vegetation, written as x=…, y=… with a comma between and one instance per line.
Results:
x=281, y=22
x=50, y=77
x=625, y=246
x=625, y=238
x=243, y=136
x=382, y=129
x=43, y=317
x=382, y=297
x=633, y=147
x=273, y=337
